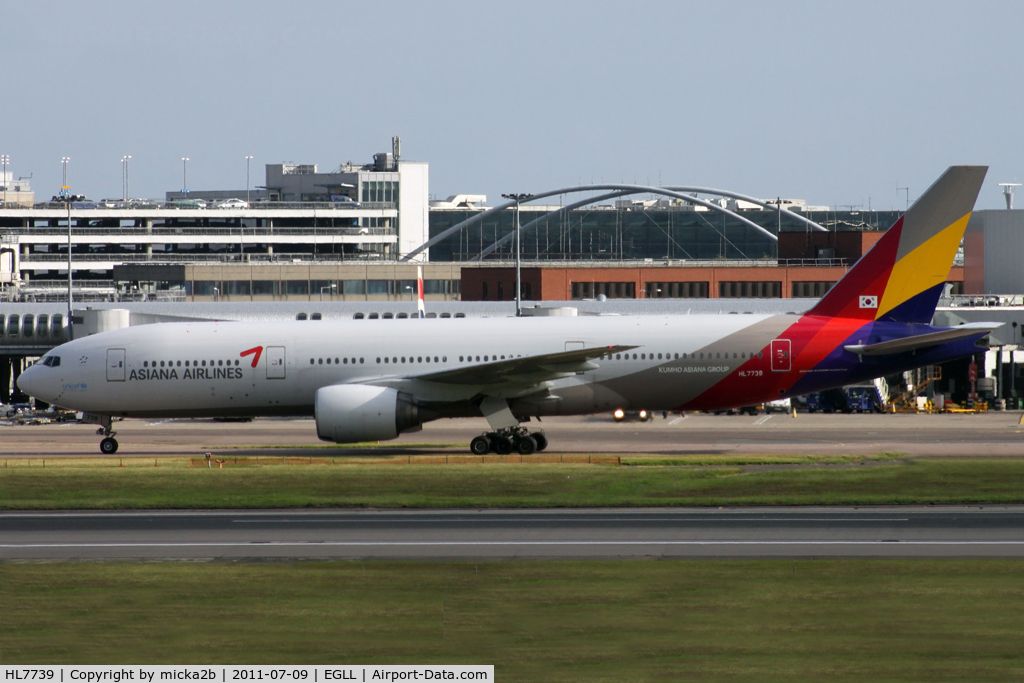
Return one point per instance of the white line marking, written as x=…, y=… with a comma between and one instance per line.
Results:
x=559, y=519
x=675, y=421
x=763, y=419
x=481, y=543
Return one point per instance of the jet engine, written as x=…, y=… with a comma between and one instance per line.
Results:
x=349, y=413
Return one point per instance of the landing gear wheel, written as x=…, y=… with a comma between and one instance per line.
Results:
x=502, y=444
x=540, y=440
x=108, y=446
x=526, y=445
x=481, y=445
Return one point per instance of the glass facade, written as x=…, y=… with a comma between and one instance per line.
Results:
x=632, y=234
x=379, y=191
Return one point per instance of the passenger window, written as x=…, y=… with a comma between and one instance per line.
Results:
x=402, y=316
x=446, y=315
x=374, y=316
x=357, y=316
x=301, y=316
x=388, y=316
x=316, y=316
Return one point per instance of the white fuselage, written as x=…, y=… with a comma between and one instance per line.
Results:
x=197, y=369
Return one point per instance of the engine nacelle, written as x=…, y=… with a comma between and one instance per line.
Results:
x=350, y=413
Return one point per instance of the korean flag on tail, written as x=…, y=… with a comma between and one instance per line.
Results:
x=869, y=302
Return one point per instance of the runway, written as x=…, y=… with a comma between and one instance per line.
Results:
x=996, y=531
x=994, y=433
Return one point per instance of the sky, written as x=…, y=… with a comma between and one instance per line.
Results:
x=839, y=103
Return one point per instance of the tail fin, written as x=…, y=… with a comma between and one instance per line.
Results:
x=902, y=275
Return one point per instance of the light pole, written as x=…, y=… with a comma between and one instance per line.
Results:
x=64, y=182
x=412, y=294
x=65, y=190
x=517, y=198
x=247, y=160
x=184, y=175
x=5, y=160
x=323, y=289
x=124, y=177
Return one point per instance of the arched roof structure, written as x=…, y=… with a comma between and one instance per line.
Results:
x=620, y=190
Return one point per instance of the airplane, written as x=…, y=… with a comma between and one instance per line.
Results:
x=371, y=380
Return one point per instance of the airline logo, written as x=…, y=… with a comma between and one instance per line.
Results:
x=869, y=302
x=255, y=352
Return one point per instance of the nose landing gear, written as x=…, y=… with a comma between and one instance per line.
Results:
x=505, y=441
x=108, y=446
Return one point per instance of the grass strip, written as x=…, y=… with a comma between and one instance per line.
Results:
x=309, y=483
x=764, y=620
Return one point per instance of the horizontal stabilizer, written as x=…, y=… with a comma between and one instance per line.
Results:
x=922, y=341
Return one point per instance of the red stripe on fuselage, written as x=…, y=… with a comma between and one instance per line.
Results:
x=812, y=338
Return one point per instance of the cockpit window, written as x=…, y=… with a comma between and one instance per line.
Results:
x=50, y=361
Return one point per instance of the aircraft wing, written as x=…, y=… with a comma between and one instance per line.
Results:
x=921, y=341
x=510, y=377
x=525, y=370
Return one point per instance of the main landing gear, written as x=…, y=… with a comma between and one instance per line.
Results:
x=509, y=440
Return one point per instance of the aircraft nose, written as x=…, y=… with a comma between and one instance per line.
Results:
x=28, y=381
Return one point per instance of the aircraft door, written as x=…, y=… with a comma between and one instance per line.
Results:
x=275, y=362
x=115, y=365
x=781, y=351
